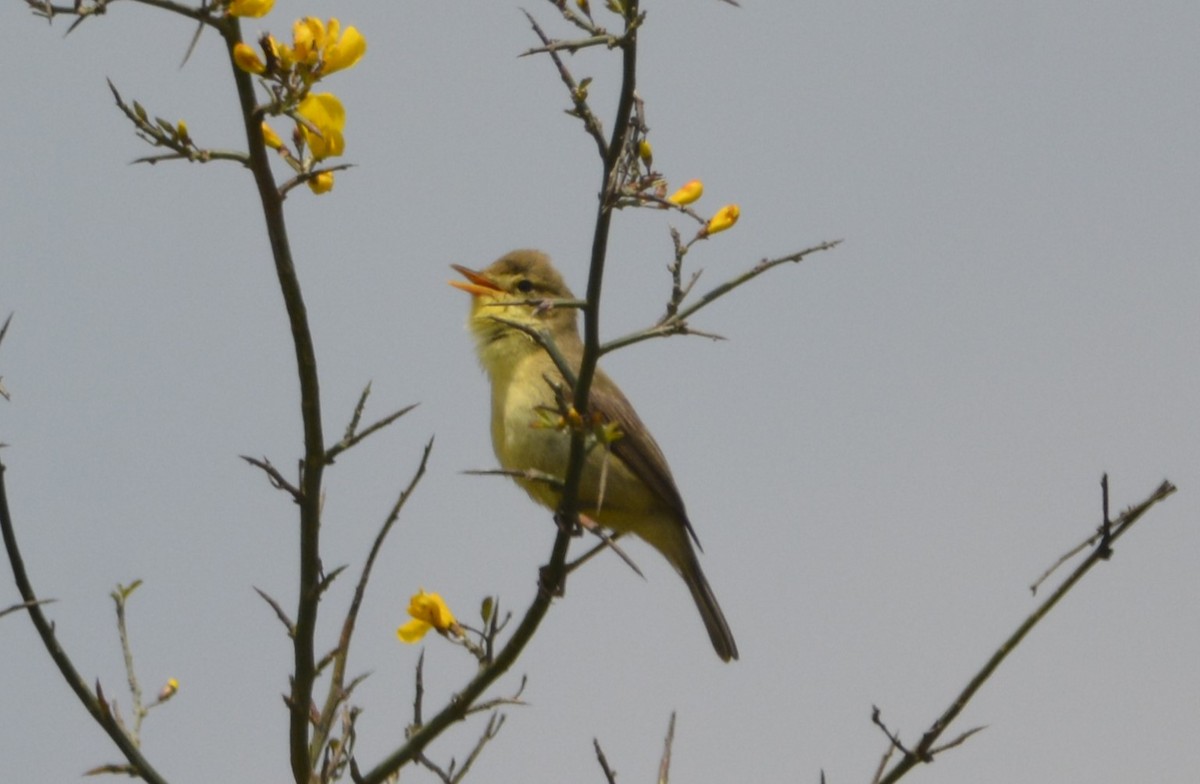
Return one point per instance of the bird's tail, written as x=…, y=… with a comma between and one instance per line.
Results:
x=706, y=603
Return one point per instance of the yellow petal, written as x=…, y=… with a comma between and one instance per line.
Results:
x=724, y=219
x=413, y=631
x=345, y=52
x=252, y=8
x=688, y=193
x=247, y=59
x=270, y=138
x=328, y=116
x=321, y=183
x=308, y=35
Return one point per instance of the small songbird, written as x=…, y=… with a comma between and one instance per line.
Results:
x=626, y=485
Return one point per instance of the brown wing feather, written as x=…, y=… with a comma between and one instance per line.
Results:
x=637, y=448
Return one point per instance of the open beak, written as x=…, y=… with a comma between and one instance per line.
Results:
x=476, y=285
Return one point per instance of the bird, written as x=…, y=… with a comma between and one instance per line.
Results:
x=627, y=486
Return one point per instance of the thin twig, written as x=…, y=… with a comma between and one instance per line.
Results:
x=1103, y=535
x=675, y=321
x=25, y=606
x=119, y=596
x=530, y=474
x=301, y=179
x=925, y=749
x=877, y=720
x=883, y=761
x=279, y=612
x=277, y=479
x=495, y=722
x=578, y=96
x=544, y=339
x=664, y=765
x=610, y=775
x=574, y=46
x=606, y=541
x=93, y=702
x=419, y=690
x=351, y=438
x=336, y=691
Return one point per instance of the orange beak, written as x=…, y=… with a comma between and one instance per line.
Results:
x=476, y=285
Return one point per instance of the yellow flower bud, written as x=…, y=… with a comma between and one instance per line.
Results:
x=688, y=193
x=253, y=8
x=270, y=138
x=321, y=183
x=645, y=152
x=724, y=219
x=247, y=59
x=181, y=131
x=168, y=690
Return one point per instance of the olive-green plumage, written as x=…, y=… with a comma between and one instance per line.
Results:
x=637, y=495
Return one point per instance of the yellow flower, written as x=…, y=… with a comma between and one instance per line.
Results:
x=321, y=183
x=342, y=51
x=270, y=138
x=254, y=8
x=724, y=219
x=325, y=113
x=428, y=611
x=247, y=59
x=318, y=49
x=688, y=193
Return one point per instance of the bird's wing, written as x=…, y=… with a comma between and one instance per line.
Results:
x=636, y=447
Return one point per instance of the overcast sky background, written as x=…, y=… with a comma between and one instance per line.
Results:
x=898, y=437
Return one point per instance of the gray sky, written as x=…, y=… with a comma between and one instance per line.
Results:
x=899, y=436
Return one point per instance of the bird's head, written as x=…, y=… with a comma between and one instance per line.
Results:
x=518, y=288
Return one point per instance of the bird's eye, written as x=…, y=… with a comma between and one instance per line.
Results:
x=525, y=285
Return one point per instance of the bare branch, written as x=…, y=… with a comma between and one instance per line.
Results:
x=495, y=722
x=341, y=655
x=24, y=606
x=93, y=702
x=351, y=438
x=610, y=775
x=277, y=480
x=577, y=91
x=926, y=749
x=674, y=322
